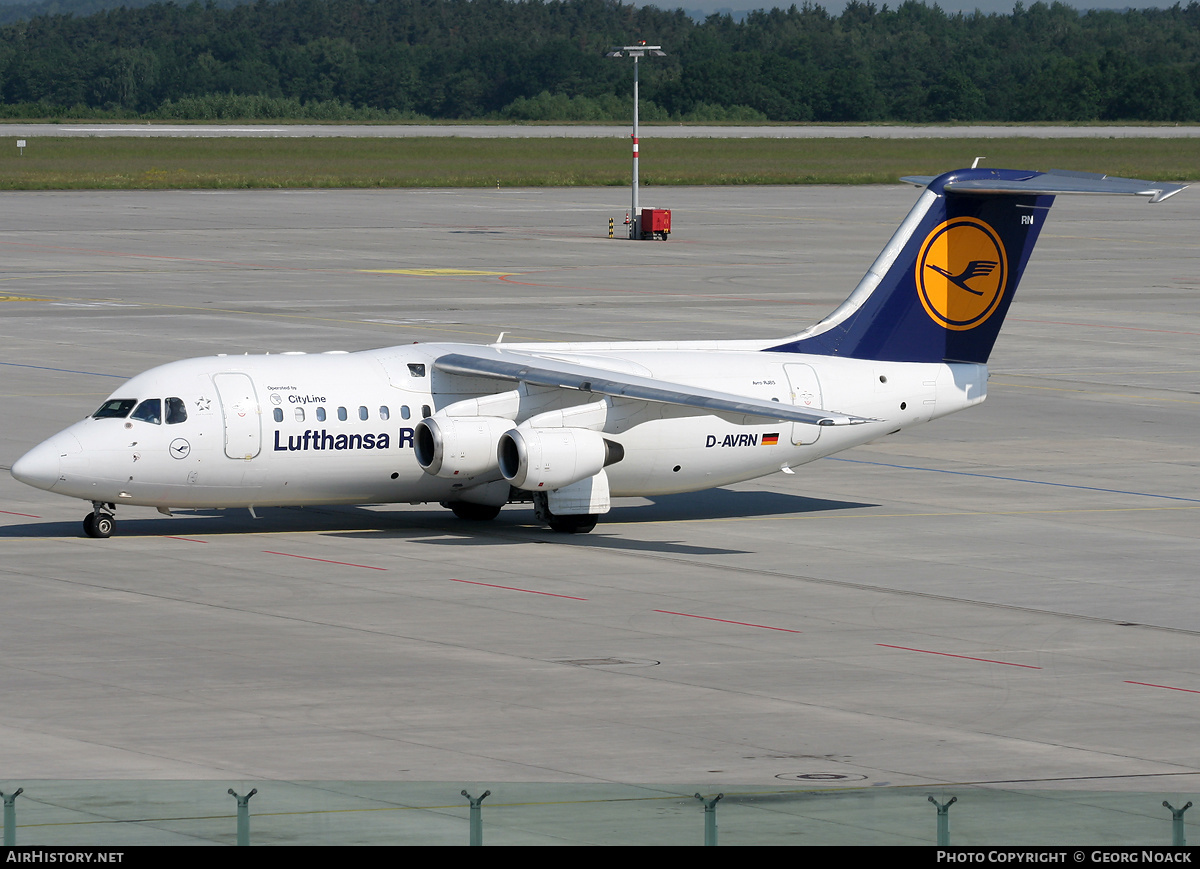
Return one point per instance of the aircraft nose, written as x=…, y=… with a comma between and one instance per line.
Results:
x=41, y=466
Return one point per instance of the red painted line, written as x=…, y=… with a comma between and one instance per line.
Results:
x=964, y=657
x=188, y=539
x=513, y=588
x=325, y=560
x=729, y=622
x=27, y=515
x=1168, y=687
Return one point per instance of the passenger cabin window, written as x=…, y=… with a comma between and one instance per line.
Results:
x=425, y=411
x=115, y=407
x=278, y=414
x=384, y=413
x=362, y=413
x=320, y=414
x=405, y=413
x=342, y=414
x=176, y=411
x=149, y=411
x=299, y=414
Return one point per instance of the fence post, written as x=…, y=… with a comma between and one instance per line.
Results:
x=710, y=818
x=1177, y=837
x=243, y=816
x=476, y=816
x=10, y=817
x=943, y=820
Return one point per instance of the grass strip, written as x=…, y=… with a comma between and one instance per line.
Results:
x=134, y=163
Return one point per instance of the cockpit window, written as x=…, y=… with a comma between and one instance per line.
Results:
x=176, y=411
x=149, y=410
x=115, y=407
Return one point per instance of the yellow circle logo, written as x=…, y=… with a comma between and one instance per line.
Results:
x=961, y=273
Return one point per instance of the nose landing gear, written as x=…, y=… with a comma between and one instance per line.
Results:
x=100, y=522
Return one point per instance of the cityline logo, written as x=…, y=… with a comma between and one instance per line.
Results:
x=961, y=273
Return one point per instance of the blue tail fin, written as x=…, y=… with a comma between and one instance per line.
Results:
x=940, y=289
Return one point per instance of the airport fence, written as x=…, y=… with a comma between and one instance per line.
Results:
x=134, y=813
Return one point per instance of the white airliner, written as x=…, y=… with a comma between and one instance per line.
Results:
x=569, y=426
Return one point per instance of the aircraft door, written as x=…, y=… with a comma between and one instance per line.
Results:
x=806, y=393
x=243, y=418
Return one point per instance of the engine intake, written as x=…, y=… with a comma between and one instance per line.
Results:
x=458, y=446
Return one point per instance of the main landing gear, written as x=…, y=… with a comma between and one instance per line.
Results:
x=578, y=524
x=474, y=512
x=100, y=522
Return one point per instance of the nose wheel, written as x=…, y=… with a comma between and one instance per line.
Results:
x=99, y=523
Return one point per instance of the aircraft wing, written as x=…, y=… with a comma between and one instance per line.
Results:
x=530, y=368
x=1055, y=182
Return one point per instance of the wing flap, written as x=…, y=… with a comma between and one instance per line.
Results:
x=503, y=365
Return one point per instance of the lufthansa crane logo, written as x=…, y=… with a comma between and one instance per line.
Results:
x=961, y=273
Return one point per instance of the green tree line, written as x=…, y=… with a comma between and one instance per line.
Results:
x=533, y=60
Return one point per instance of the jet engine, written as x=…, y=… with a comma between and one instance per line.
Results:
x=458, y=446
x=542, y=459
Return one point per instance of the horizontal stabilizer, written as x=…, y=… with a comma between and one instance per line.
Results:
x=940, y=289
x=539, y=371
x=1057, y=181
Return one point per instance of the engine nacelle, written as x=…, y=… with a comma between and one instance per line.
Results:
x=458, y=446
x=542, y=459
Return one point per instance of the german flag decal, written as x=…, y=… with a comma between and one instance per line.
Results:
x=770, y=440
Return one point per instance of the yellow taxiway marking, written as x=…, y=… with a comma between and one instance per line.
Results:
x=20, y=299
x=431, y=273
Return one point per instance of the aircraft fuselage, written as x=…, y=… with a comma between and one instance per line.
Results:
x=301, y=429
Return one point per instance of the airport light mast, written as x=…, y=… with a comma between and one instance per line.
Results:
x=636, y=52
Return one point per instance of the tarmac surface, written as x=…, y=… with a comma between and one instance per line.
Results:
x=1005, y=596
